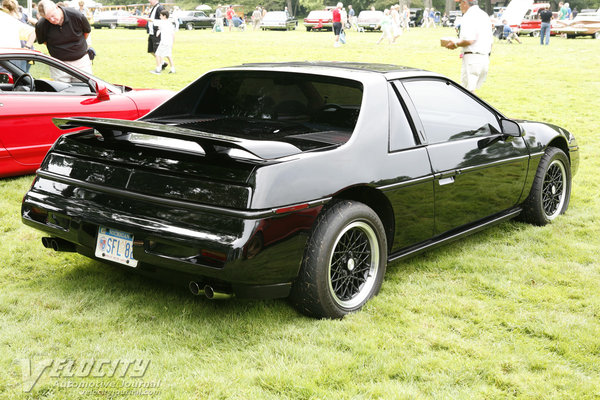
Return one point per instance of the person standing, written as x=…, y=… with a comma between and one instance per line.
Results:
x=405, y=18
x=256, y=17
x=337, y=23
x=34, y=11
x=476, y=41
x=14, y=10
x=13, y=33
x=352, y=18
x=396, y=27
x=64, y=31
x=568, y=12
x=562, y=11
x=546, y=17
x=166, y=32
x=386, y=27
x=153, y=38
x=218, y=26
x=229, y=16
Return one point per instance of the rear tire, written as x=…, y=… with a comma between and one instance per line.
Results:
x=113, y=26
x=551, y=189
x=597, y=35
x=344, y=262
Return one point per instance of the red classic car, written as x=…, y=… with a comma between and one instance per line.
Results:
x=30, y=98
x=318, y=20
x=532, y=23
x=115, y=18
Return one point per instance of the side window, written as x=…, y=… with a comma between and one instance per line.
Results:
x=447, y=113
x=401, y=134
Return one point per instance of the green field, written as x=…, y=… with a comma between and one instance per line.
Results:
x=513, y=312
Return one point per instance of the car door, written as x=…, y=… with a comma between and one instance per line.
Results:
x=409, y=188
x=478, y=170
x=27, y=130
x=200, y=20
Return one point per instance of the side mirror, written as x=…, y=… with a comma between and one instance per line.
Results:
x=511, y=128
x=101, y=91
x=6, y=77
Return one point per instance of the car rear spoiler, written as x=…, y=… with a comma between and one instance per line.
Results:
x=112, y=128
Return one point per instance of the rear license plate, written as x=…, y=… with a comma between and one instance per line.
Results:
x=115, y=245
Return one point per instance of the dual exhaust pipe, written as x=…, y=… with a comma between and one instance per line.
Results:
x=207, y=291
x=58, y=244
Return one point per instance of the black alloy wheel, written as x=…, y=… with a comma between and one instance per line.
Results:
x=344, y=262
x=551, y=190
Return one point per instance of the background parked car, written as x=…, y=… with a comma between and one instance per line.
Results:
x=278, y=20
x=416, y=15
x=194, y=20
x=319, y=20
x=116, y=18
x=584, y=24
x=369, y=20
x=30, y=99
x=452, y=17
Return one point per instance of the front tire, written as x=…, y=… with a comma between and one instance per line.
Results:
x=551, y=189
x=344, y=262
x=189, y=26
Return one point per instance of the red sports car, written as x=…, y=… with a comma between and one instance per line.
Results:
x=31, y=95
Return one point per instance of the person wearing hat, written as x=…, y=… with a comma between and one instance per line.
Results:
x=475, y=38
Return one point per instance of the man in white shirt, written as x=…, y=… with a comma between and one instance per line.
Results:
x=476, y=38
x=12, y=31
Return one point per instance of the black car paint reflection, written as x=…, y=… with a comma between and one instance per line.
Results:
x=274, y=154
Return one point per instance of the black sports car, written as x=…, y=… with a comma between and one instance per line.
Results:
x=191, y=20
x=297, y=179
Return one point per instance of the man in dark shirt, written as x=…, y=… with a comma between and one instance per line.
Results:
x=64, y=31
x=546, y=16
x=153, y=38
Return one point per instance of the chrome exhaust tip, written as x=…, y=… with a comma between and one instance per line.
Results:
x=195, y=288
x=211, y=294
x=208, y=291
x=58, y=244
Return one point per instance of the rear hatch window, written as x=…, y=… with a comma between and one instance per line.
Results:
x=308, y=111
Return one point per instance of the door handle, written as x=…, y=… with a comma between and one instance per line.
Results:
x=446, y=181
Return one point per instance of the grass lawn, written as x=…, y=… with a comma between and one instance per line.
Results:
x=512, y=312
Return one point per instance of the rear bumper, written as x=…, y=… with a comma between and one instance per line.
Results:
x=324, y=25
x=250, y=257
